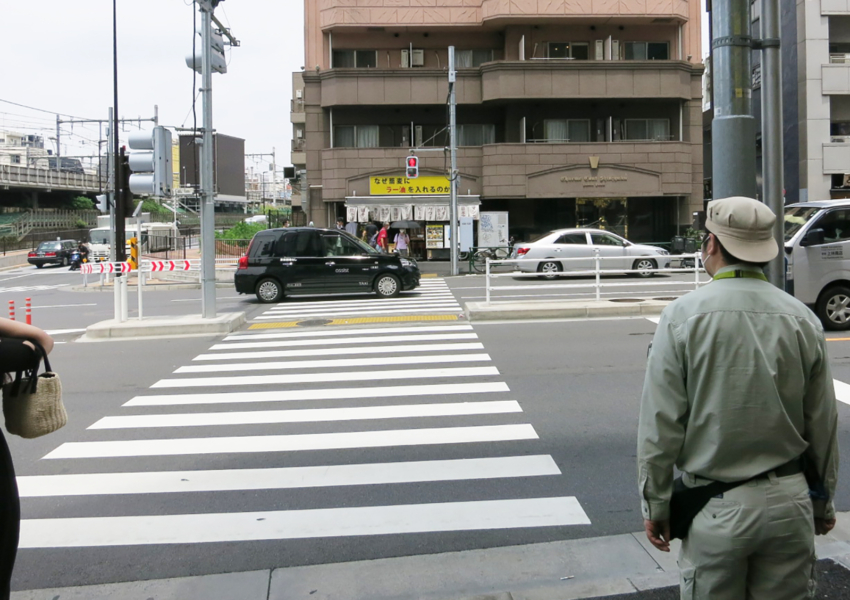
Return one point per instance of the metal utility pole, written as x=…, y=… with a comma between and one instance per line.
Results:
x=58, y=146
x=773, y=183
x=116, y=166
x=733, y=130
x=207, y=191
x=453, y=179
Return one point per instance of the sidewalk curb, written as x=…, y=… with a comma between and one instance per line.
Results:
x=576, y=569
x=164, y=327
x=562, y=309
x=155, y=287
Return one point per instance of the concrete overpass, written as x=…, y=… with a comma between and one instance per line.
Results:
x=31, y=182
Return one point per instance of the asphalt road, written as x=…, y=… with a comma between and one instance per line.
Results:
x=534, y=441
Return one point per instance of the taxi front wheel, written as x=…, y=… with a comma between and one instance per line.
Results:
x=387, y=286
x=269, y=291
x=833, y=308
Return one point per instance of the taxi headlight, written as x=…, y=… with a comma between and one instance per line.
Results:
x=406, y=262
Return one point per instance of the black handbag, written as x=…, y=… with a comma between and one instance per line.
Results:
x=685, y=503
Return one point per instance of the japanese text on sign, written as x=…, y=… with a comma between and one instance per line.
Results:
x=396, y=186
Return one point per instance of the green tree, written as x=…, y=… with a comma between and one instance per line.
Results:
x=241, y=231
x=81, y=203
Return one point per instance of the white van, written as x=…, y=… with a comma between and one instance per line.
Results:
x=817, y=252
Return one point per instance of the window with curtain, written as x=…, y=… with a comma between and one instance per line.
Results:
x=476, y=135
x=566, y=130
x=367, y=136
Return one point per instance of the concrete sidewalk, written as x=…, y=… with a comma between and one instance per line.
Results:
x=568, y=570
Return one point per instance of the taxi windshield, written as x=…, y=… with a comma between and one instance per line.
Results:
x=796, y=217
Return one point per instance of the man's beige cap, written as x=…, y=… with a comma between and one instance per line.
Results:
x=745, y=228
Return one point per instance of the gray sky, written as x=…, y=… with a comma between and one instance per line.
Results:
x=58, y=57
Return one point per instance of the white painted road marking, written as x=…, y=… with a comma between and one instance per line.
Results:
x=842, y=391
x=346, y=332
x=292, y=378
x=436, y=337
x=301, y=524
x=169, y=482
x=295, y=443
x=334, y=363
x=384, y=311
x=64, y=331
x=392, y=391
x=310, y=415
x=303, y=352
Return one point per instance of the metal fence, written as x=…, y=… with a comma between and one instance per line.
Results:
x=689, y=263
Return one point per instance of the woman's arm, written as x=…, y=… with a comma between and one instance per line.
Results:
x=15, y=329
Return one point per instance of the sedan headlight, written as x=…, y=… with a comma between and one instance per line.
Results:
x=406, y=262
x=662, y=252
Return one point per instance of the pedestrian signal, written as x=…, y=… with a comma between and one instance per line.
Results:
x=412, y=167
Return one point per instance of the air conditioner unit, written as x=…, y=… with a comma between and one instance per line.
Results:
x=418, y=58
x=599, y=54
x=417, y=137
x=298, y=94
x=299, y=133
x=405, y=59
x=615, y=49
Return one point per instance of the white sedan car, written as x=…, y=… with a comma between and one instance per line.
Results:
x=618, y=253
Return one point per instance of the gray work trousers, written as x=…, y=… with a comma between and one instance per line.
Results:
x=754, y=543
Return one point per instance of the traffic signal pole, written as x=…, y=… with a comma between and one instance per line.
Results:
x=771, y=126
x=207, y=185
x=453, y=179
x=733, y=129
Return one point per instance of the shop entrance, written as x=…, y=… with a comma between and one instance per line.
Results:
x=603, y=213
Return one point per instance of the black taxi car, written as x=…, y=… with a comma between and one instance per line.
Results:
x=310, y=260
x=56, y=252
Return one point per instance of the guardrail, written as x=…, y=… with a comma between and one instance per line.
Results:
x=597, y=272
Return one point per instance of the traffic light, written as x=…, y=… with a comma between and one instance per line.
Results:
x=133, y=259
x=151, y=165
x=102, y=203
x=219, y=62
x=412, y=167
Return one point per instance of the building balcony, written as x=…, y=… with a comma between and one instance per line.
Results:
x=335, y=14
x=836, y=78
x=544, y=170
x=509, y=80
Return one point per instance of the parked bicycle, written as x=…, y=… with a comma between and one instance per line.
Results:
x=480, y=256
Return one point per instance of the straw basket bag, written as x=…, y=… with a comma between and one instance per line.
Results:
x=32, y=404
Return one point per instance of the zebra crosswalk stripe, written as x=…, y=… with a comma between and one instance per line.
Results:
x=301, y=524
x=169, y=482
x=295, y=443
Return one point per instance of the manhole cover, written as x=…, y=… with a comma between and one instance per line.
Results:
x=314, y=322
x=625, y=300
x=666, y=299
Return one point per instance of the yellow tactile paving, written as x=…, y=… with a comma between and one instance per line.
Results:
x=359, y=321
x=838, y=339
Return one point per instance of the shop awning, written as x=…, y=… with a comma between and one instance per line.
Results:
x=398, y=207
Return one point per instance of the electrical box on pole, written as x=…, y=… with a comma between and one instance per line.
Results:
x=151, y=163
x=412, y=171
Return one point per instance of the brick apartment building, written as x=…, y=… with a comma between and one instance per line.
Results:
x=570, y=112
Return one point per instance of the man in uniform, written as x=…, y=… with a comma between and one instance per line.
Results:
x=738, y=387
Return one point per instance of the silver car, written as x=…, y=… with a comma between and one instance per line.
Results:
x=582, y=243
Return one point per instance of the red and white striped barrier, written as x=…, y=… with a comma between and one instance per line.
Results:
x=105, y=267
x=171, y=265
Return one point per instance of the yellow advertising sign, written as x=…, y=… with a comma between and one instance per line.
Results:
x=402, y=186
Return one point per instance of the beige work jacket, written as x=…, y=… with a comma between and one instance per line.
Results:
x=737, y=383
